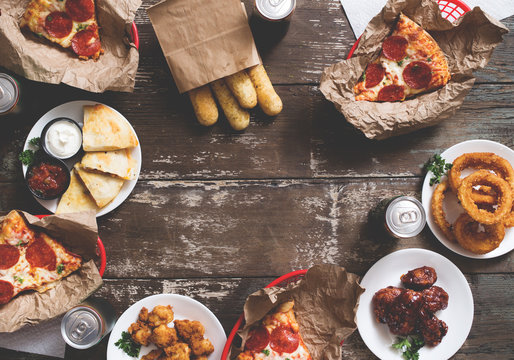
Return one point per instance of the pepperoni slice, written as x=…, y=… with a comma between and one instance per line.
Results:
x=40, y=254
x=417, y=75
x=395, y=47
x=283, y=340
x=391, y=93
x=85, y=43
x=80, y=10
x=374, y=75
x=6, y=291
x=258, y=340
x=58, y=24
x=9, y=256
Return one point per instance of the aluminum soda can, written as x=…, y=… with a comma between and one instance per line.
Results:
x=88, y=323
x=402, y=216
x=275, y=10
x=9, y=94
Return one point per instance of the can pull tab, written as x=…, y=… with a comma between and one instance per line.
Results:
x=407, y=216
x=82, y=330
x=276, y=2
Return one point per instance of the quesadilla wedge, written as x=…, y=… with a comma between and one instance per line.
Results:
x=118, y=162
x=104, y=130
x=102, y=187
x=76, y=198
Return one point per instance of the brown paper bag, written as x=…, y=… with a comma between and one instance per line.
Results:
x=326, y=302
x=203, y=41
x=40, y=60
x=468, y=44
x=79, y=233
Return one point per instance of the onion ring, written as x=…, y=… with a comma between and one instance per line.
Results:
x=470, y=238
x=509, y=219
x=502, y=188
x=438, y=212
x=484, y=195
x=489, y=161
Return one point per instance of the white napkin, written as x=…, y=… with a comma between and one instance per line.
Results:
x=360, y=12
x=44, y=339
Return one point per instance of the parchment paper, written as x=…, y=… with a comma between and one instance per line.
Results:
x=40, y=60
x=468, y=44
x=203, y=41
x=78, y=232
x=326, y=302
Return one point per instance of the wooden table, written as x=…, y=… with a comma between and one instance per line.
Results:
x=217, y=215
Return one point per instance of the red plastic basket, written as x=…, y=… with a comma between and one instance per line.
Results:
x=100, y=252
x=282, y=281
x=451, y=9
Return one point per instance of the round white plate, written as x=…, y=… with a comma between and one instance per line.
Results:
x=74, y=111
x=386, y=272
x=450, y=204
x=184, y=308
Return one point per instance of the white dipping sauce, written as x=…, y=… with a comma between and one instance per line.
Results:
x=63, y=139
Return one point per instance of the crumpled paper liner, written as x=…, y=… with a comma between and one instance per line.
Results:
x=78, y=233
x=203, y=41
x=326, y=302
x=40, y=60
x=468, y=44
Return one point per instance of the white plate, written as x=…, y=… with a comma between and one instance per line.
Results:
x=184, y=308
x=74, y=111
x=386, y=272
x=451, y=206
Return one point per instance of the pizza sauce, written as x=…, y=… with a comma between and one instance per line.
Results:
x=47, y=179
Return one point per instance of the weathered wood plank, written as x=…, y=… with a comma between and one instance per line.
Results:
x=309, y=139
x=489, y=337
x=231, y=228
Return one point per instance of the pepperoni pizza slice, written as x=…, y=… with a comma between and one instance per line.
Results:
x=410, y=63
x=29, y=259
x=69, y=23
x=277, y=337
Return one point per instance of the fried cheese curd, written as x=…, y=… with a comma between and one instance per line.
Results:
x=185, y=341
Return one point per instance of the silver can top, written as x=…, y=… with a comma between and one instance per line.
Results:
x=405, y=217
x=9, y=93
x=81, y=327
x=275, y=9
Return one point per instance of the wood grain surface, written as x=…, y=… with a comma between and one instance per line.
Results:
x=213, y=207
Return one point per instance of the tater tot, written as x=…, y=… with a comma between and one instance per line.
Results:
x=268, y=99
x=204, y=105
x=242, y=88
x=236, y=116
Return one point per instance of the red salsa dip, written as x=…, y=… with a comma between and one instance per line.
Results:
x=48, y=180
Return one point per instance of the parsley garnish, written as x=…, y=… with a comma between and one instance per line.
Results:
x=81, y=27
x=35, y=141
x=27, y=157
x=49, y=18
x=400, y=62
x=128, y=345
x=407, y=57
x=363, y=76
x=18, y=279
x=60, y=268
x=20, y=243
x=265, y=352
x=429, y=59
x=409, y=347
x=438, y=166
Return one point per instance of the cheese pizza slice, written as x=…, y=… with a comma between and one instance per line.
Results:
x=35, y=262
x=69, y=23
x=410, y=63
x=277, y=337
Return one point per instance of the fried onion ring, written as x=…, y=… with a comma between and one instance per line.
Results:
x=438, y=212
x=470, y=238
x=484, y=195
x=489, y=161
x=500, y=186
x=509, y=219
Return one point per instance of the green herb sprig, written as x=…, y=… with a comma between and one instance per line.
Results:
x=409, y=346
x=60, y=268
x=438, y=166
x=265, y=352
x=128, y=345
x=28, y=156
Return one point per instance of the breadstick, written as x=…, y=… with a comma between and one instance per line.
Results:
x=268, y=99
x=242, y=88
x=236, y=116
x=204, y=105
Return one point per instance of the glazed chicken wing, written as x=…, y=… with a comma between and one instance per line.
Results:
x=432, y=329
x=435, y=299
x=420, y=278
x=403, y=315
x=382, y=301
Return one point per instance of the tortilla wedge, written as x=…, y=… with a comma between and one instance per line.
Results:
x=76, y=198
x=104, y=130
x=117, y=162
x=102, y=187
